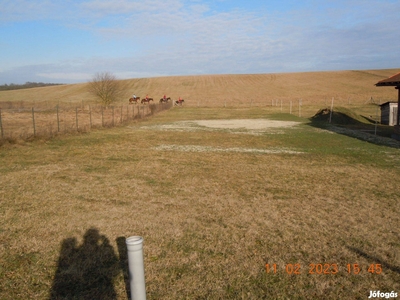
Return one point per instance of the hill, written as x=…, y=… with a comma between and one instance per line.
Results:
x=314, y=88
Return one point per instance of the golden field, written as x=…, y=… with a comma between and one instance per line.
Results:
x=347, y=87
x=223, y=190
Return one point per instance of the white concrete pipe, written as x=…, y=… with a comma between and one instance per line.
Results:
x=136, y=267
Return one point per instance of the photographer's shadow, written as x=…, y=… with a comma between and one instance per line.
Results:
x=86, y=271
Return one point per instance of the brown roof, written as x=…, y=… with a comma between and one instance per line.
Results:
x=391, y=81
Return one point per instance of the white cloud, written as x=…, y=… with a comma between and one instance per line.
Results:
x=173, y=37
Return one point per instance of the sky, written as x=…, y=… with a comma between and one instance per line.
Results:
x=69, y=41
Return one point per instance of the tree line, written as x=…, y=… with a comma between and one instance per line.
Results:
x=26, y=85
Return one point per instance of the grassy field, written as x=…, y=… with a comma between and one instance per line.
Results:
x=214, y=206
x=292, y=209
x=315, y=89
x=48, y=111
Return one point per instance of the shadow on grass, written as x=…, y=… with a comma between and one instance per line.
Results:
x=344, y=121
x=375, y=259
x=123, y=263
x=87, y=271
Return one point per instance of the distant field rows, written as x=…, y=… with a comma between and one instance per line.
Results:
x=313, y=88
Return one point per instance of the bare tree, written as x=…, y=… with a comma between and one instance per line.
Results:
x=106, y=87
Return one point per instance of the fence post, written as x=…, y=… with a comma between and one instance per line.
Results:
x=102, y=117
x=290, y=106
x=113, y=116
x=90, y=117
x=376, y=117
x=121, y=114
x=1, y=126
x=76, y=117
x=58, y=121
x=33, y=121
x=299, y=107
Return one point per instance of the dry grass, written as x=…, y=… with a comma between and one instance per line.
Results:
x=315, y=89
x=210, y=220
x=21, y=124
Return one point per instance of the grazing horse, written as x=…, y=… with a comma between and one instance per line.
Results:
x=134, y=100
x=144, y=100
x=179, y=102
x=165, y=100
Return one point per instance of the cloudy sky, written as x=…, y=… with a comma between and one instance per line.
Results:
x=68, y=41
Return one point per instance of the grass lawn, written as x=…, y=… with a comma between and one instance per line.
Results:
x=214, y=207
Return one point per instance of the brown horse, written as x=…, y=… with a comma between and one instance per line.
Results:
x=144, y=100
x=179, y=102
x=132, y=100
x=165, y=100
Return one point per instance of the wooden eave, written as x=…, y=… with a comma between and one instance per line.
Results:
x=391, y=81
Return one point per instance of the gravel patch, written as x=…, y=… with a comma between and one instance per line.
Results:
x=243, y=126
x=196, y=148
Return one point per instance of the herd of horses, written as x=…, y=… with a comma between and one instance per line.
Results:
x=147, y=100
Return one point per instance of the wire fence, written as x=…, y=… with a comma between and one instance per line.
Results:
x=18, y=120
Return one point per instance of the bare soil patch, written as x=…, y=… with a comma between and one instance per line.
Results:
x=251, y=126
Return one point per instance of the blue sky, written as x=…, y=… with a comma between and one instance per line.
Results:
x=66, y=41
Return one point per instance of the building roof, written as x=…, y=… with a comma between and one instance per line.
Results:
x=388, y=103
x=391, y=81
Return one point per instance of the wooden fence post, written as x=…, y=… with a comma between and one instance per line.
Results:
x=90, y=117
x=1, y=126
x=113, y=116
x=299, y=107
x=102, y=117
x=121, y=114
x=76, y=118
x=58, y=121
x=33, y=121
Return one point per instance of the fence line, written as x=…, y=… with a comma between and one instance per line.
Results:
x=19, y=122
